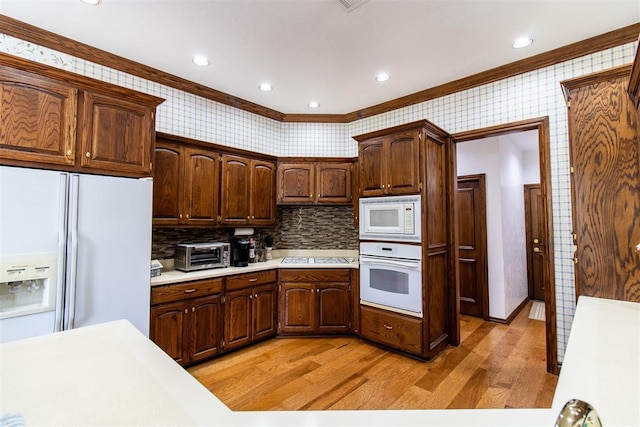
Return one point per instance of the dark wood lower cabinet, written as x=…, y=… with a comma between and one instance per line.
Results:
x=315, y=302
x=250, y=315
x=391, y=329
x=188, y=330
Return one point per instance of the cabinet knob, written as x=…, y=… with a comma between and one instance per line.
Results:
x=253, y=217
x=186, y=311
x=193, y=309
x=69, y=153
x=382, y=186
x=388, y=185
x=88, y=154
x=248, y=217
x=388, y=326
x=187, y=216
x=180, y=216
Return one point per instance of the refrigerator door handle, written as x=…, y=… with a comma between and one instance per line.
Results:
x=62, y=249
x=73, y=231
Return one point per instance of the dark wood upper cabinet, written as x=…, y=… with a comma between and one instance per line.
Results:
x=248, y=191
x=202, y=186
x=296, y=183
x=54, y=119
x=263, y=193
x=116, y=134
x=168, y=184
x=604, y=155
x=389, y=164
x=317, y=182
x=186, y=185
x=38, y=119
x=333, y=183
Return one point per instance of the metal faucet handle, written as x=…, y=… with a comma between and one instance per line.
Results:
x=577, y=413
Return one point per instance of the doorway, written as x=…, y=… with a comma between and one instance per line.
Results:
x=541, y=125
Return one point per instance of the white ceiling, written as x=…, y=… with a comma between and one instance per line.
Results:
x=315, y=49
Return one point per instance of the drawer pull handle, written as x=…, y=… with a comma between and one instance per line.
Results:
x=253, y=279
x=188, y=291
x=388, y=326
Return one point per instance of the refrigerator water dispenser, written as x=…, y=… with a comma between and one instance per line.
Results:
x=27, y=284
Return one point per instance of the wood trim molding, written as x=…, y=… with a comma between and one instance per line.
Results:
x=28, y=32
x=634, y=79
x=222, y=149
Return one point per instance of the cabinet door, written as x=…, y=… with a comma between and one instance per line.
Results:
x=202, y=179
x=117, y=135
x=237, y=318
x=264, y=311
x=263, y=193
x=296, y=182
x=298, y=308
x=38, y=119
x=205, y=327
x=334, y=314
x=372, y=170
x=168, y=329
x=333, y=183
x=234, y=203
x=402, y=164
x=168, y=183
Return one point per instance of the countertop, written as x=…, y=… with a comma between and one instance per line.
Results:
x=602, y=363
x=111, y=374
x=176, y=276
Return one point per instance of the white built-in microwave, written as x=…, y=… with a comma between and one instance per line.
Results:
x=390, y=218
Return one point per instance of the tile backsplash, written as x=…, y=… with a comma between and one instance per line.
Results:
x=298, y=227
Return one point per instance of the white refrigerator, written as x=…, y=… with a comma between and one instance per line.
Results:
x=97, y=228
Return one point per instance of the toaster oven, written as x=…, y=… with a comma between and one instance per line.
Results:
x=201, y=256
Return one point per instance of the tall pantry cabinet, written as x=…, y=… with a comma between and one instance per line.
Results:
x=417, y=158
x=605, y=178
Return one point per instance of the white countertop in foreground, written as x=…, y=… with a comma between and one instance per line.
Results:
x=110, y=374
x=176, y=276
x=602, y=363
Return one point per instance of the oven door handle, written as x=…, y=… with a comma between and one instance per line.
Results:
x=411, y=265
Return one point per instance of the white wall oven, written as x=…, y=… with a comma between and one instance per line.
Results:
x=391, y=277
x=390, y=218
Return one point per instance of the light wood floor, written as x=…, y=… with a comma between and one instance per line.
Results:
x=496, y=366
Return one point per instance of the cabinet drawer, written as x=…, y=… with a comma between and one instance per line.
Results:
x=392, y=329
x=181, y=291
x=315, y=275
x=240, y=281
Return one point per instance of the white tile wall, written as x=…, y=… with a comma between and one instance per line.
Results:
x=530, y=95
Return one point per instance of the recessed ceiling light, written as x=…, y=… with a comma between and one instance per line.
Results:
x=313, y=104
x=266, y=87
x=382, y=77
x=200, y=60
x=91, y=2
x=521, y=42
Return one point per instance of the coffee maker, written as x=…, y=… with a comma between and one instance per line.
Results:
x=239, y=252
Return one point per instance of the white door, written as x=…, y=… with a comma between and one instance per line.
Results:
x=112, y=277
x=32, y=213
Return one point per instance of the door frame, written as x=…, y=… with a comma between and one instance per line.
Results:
x=484, y=286
x=541, y=124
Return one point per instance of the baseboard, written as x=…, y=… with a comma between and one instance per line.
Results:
x=513, y=314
